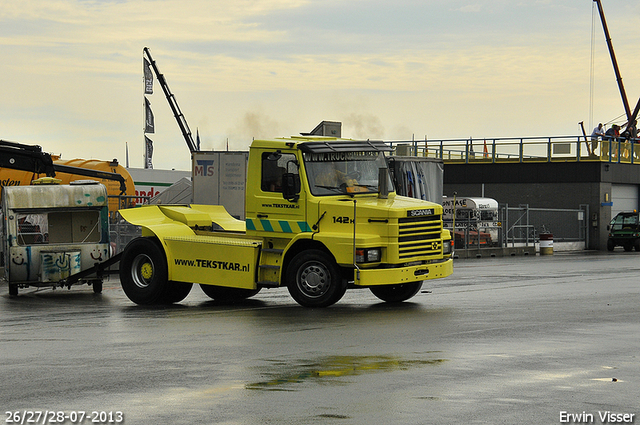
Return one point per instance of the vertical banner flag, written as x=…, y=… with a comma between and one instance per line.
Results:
x=149, y=126
x=148, y=153
x=148, y=77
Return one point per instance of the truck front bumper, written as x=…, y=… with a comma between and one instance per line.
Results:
x=394, y=276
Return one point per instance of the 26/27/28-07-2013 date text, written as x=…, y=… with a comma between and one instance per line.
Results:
x=44, y=417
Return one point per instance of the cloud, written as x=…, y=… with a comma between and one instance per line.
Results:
x=72, y=69
x=52, y=22
x=470, y=8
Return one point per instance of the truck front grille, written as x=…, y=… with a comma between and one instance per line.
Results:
x=419, y=236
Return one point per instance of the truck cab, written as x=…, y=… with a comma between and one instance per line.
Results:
x=320, y=216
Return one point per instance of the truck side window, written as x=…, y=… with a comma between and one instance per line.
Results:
x=273, y=167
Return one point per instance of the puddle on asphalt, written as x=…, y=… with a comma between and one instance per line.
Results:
x=284, y=376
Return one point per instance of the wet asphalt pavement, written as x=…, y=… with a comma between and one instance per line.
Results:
x=502, y=341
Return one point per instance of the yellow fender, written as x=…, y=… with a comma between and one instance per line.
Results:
x=178, y=220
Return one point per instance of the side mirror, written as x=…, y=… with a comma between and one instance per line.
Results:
x=291, y=187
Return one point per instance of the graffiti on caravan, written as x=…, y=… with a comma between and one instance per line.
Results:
x=470, y=207
x=460, y=202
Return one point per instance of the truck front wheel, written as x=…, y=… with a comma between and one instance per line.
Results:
x=143, y=272
x=396, y=293
x=314, y=279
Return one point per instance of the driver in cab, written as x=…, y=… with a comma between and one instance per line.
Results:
x=332, y=177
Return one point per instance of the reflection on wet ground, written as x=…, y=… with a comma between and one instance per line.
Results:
x=284, y=376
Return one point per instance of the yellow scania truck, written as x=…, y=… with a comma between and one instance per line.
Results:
x=321, y=216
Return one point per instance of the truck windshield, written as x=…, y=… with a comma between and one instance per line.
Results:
x=344, y=172
x=624, y=221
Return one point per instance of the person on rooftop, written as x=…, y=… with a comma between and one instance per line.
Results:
x=596, y=135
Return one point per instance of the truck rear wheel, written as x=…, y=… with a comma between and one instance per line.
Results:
x=396, y=293
x=13, y=289
x=223, y=293
x=143, y=272
x=314, y=279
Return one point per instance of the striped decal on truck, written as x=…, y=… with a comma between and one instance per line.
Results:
x=280, y=226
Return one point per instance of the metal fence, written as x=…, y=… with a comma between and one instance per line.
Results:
x=121, y=232
x=523, y=149
x=523, y=225
x=518, y=226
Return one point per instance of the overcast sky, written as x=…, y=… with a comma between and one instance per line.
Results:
x=71, y=71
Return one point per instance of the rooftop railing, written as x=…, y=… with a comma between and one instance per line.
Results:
x=524, y=149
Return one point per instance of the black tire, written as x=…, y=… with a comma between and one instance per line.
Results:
x=636, y=245
x=628, y=247
x=143, y=272
x=97, y=287
x=226, y=294
x=314, y=279
x=13, y=289
x=177, y=292
x=396, y=293
x=611, y=245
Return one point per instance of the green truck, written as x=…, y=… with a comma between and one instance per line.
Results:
x=624, y=230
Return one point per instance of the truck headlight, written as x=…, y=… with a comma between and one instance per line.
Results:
x=368, y=255
x=447, y=247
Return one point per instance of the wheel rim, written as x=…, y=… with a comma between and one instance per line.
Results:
x=314, y=279
x=142, y=271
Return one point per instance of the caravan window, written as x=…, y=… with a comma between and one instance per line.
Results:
x=33, y=229
x=463, y=213
x=488, y=215
x=76, y=226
